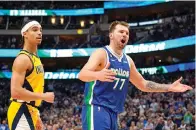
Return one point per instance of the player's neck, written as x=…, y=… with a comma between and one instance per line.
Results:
x=116, y=51
x=30, y=48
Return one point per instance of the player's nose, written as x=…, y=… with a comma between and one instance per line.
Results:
x=39, y=33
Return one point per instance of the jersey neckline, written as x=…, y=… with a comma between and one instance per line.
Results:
x=30, y=53
x=114, y=54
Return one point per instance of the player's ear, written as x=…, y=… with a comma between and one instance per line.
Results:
x=111, y=35
x=24, y=34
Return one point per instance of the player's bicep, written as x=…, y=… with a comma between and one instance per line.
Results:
x=20, y=66
x=95, y=60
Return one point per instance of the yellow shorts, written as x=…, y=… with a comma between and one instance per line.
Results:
x=22, y=116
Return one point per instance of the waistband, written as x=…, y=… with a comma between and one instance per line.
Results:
x=96, y=105
x=21, y=101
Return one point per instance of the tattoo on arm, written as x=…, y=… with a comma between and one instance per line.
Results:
x=156, y=87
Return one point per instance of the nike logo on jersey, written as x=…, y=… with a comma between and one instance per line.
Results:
x=99, y=108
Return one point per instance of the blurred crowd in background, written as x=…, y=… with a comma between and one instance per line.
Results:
x=143, y=111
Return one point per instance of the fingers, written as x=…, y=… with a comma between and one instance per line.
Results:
x=51, y=101
x=50, y=97
x=106, y=74
x=110, y=78
x=185, y=88
x=110, y=73
x=188, y=87
x=179, y=79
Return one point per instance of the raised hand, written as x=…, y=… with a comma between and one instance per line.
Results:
x=178, y=87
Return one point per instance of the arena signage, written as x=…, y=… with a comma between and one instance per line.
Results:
x=129, y=4
x=28, y=13
x=61, y=75
x=67, y=74
x=59, y=12
x=149, y=70
x=145, y=47
x=84, y=52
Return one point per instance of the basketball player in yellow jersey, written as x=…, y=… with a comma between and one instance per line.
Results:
x=27, y=83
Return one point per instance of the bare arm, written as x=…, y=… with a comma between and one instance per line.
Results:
x=145, y=85
x=21, y=64
x=88, y=72
x=94, y=68
x=150, y=86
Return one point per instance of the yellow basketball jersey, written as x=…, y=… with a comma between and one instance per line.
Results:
x=34, y=79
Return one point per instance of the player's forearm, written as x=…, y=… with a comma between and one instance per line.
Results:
x=26, y=95
x=151, y=86
x=87, y=75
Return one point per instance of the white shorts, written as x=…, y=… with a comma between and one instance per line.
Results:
x=23, y=124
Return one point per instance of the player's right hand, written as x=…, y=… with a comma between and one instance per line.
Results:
x=49, y=97
x=106, y=75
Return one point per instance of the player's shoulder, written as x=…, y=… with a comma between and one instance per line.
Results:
x=22, y=57
x=128, y=57
x=21, y=60
x=99, y=52
x=130, y=60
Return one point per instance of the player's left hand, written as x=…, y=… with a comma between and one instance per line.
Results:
x=39, y=124
x=178, y=87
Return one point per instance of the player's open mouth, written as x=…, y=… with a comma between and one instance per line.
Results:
x=123, y=41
